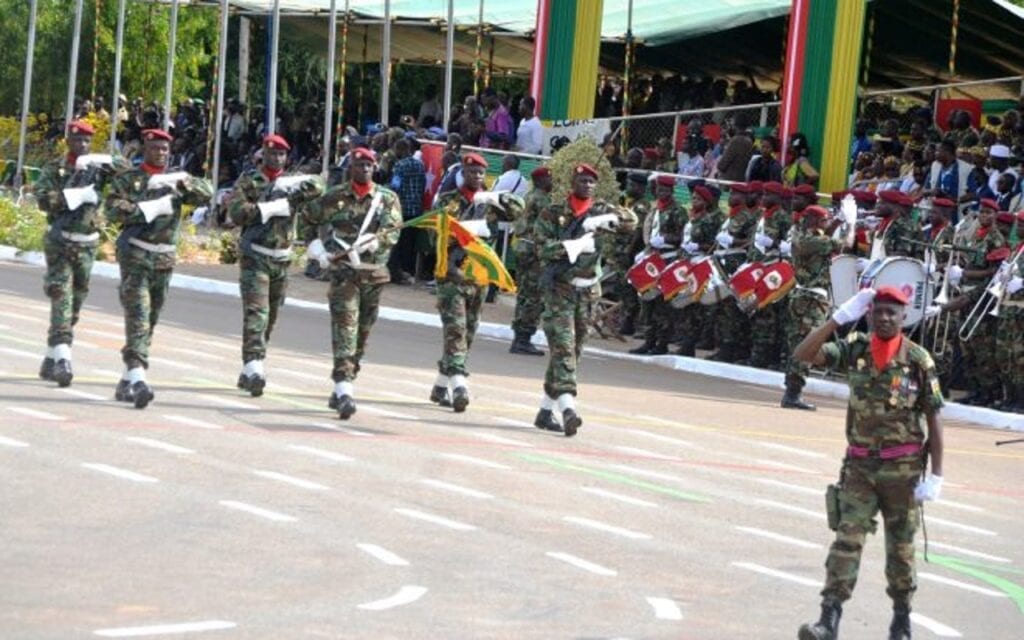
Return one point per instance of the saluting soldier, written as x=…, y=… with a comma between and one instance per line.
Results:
x=734, y=325
x=626, y=246
x=351, y=231
x=263, y=206
x=68, y=191
x=146, y=202
x=572, y=266
x=699, y=240
x=767, y=340
x=894, y=396
x=529, y=304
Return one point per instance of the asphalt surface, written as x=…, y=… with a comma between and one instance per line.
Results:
x=687, y=507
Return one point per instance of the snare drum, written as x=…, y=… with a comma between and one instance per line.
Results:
x=716, y=286
x=743, y=283
x=906, y=274
x=674, y=279
x=644, y=275
x=843, y=274
x=778, y=279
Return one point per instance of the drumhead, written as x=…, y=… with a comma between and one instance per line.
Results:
x=843, y=275
x=909, y=276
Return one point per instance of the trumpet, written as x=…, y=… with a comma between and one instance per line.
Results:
x=991, y=299
x=943, y=322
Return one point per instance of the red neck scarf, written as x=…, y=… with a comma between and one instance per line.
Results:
x=735, y=210
x=150, y=169
x=361, y=189
x=271, y=174
x=937, y=229
x=885, y=224
x=71, y=159
x=579, y=205
x=982, y=232
x=665, y=203
x=468, y=193
x=883, y=351
x=770, y=211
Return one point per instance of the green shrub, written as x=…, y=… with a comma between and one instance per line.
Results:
x=21, y=226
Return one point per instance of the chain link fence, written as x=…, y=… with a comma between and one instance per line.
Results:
x=647, y=130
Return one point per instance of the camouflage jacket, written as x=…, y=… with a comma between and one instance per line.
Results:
x=777, y=222
x=899, y=237
x=886, y=407
x=129, y=188
x=622, y=247
x=522, y=226
x=668, y=223
x=58, y=175
x=254, y=187
x=556, y=224
x=982, y=244
x=339, y=215
x=943, y=238
x=812, y=257
x=704, y=229
x=465, y=209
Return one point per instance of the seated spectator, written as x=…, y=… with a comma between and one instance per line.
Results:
x=511, y=179
x=765, y=166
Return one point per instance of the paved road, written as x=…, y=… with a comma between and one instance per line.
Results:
x=687, y=507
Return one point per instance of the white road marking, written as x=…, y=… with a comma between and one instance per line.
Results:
x=646, y=473
x=399, y=396
x=110, y=322
x=963, y=527
x=120, y=473
x=304, y=375
x=607, y=528
x=257, y=511
x=192, y=422
x=792, y=577
x=33, y=413
x=791, y=508
x=385, y=413
x=665, y=608
x=778, y=537
x=110, y=335
x=447, y=486
x=934, y=626
x=321, y=453
x=792, y=487
x=959, y=505
x=106, y=373
x=345, y=430
x=509, y=422
x=480, y=462
x=218, y=344
x=429, y=517
x=647, y=454
x=11, y=442
x=960, y=585
x=794, y=450
x=19, y=316
x=292, y=480
x=406, y=595
x=167, y=362
x=165, y=629
x=383, y=555
x=232, y=404
x=159, y=444
x=84, y=395
x=501, y=439
x=195, y=353
x=581, y=563
x=661, y=438
x=968, y=552
x=20, y=353
x=618, y=496
x=782, y=465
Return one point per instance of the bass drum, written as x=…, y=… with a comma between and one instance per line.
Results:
x=743, y=284
x=906, y=274
x=843, y=275
x=778, y=279
x=716, y=288
x=644, y=275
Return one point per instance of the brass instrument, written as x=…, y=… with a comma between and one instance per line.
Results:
x=992, y=297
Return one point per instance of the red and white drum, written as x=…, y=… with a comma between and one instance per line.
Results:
x=777, y=280
x=674, y=279
x=744, y=282
x=843, y=275
x=644, y=275
x=716, y=285
x=906, y=274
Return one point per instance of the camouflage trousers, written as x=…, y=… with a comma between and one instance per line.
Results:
x=661, y=326
x=145, y=278
x=66, y=283
x=733, y=327
x=691, y=320
x=1010, y=344
x=263, y=283
x=870, y=486
x=354, y=307
x=981, y=368
x=806, y=312
x=768, y=338
x=459, y=305
x=529, y=303
x=566, y=321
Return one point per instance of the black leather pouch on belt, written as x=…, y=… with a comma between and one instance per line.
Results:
x=832, y=506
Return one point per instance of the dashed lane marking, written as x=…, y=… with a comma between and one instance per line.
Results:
x=257, y=511
x=791, y=508
x=934, y=626
x=648, y=454
x=165, y=629
x=963, y=527
x=509, y=422
x=607, y=528
x=231, y=404
x=969, y=552
x=159, y=444
x=386, y=413
x=11, y=442
x=33, y=413
x=960, y=585
x=119, y=473
x=580, y=563
x=782, y=575
x=85, y=395
x=959, y=505
x=192, y=422
x=292, y=480
x=406, y=595
x=661, y=438
x=303, y=375
x=791, y=487
x=429, y=517
x=20, y=353
x=454, y=488
x=382, y=554
x=614, y=477
x=620, y=497
x=501, y=439
x=167, y=362
x=480, y=462
x=794, y=450
x=782, y=465
x=106, y=373
x=321, y=453
x=665, y=608
x=19, y=316
x=778, y=537
x=195, y=353
x=346, y=430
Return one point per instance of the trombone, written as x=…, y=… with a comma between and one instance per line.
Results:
x=991, y=298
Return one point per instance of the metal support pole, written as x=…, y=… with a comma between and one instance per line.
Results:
x=362, y=76
x=385, y=66
x=244, y=36
x=76, y=39
x=172, y=42
x=764, y=115
x=275, y=40
x=477, y=62
x=342, y=72
x=675, y=133
x=95, y=47
x=627, y=78
x=26, y=92
x=325, y=146
x=449, y=49
x=222, y=58
x=115, y=107
x=954, y=26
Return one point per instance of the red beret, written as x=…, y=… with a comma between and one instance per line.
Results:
x=156, y=134
x=786, y=192
x=362, y=153
x=989, y=203
x=540, y=172
x=756, y=186
x=943, y=202
x=773, y=187
x=666, y=181
x=274, y=141
x=81, y=128
x=1020, y=217
x=1005, y=217
x=705, y=194
x=815, y=211
x=586, y=169
x=740, y=187
x=474, y=159
x=896, y=197
x=652, y=153
x=804, y=190
x=998, y=255
x=837, y=196
x=866, y=197
x=891, y=294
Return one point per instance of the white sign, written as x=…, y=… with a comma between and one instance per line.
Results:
x=574, y=130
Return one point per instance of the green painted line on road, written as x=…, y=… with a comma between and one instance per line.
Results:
x=16, y=340
x=1010, y=588
x=614, y=477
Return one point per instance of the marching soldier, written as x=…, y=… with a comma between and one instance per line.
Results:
x=734, y=325
x=146, y=202
x=528, y=297
x=894, y=393
x=767, y=324
x=1010, y=343
x=351, y=230
x=900, y=233
x=264, y=209
x=68, y=191
x=662, y=233
x=939, y=232
x=571, y=283
x=704, y=223
x=626, y=246
x=458, y=300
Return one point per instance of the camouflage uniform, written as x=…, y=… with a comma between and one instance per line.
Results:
x=696, y=320
x=886, y=409
x=69, y=244
x=767, y=335
x=668, y=222
x=979, y=353
x=354, y=293
x=809, y=301
x=265, y=255
x=528, y=297
x=1010, y=343
x=899, y=236
x=146, y=270
x=733, y=325
x=567, y=306
x=623, y=247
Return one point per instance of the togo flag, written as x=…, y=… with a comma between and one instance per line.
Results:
x=482, y=264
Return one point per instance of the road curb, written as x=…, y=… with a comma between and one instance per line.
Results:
x=737, y=373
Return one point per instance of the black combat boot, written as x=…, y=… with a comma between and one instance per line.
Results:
x=123, y=392
x=546, y=420
x=243, y=382
x=438, y=395
x=899, y=628
x=628, y=326
x=687, y=348
x=827, y=627
x=1019, y=407
x=995, y=395
x=792, y=400
x=46, y=370
x=346, y=407
x=659, y=349
x=256, y=385
x=981, y=399
x=644, y=349
x=522, y=345
x=460, y=399
x=571, y=421
x=724, y=354
x=62, y=374
x=1009, y=400
x=142, y=395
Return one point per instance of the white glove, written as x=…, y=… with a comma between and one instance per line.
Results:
x=928, y=489
x=931, y=268
x=93, y=160
x=153, y=209
x=854, y=309
x=872, y=221
x=290, y=184
x=657, y=241
x=171, y=180
x=478, y=228
x=932, y=311
x=317, y=251
x=691, y=247
x=606, y=221
x=492, y=198
x=724, y=239
x=366, y=243
x=574, y=248
x=274, y=209
x=956, y=273
x=862, y=265
x=763, y=241
x=786, y=248
x=82, y=195
x=1015, y=284
x=848, y=209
